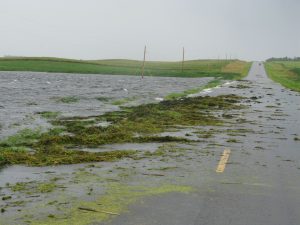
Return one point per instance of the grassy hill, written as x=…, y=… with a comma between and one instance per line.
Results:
x=286, y=73
x=227, y=69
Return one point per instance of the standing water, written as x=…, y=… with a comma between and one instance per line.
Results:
x=24, y=94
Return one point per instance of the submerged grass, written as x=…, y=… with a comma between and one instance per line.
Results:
x=24, y=138
x=210, y=84
x=49, y=114
x=138, y=124
x=32, y=187
x=67, y=99
x=123, y=101
x=116, y=200
x=56, y=155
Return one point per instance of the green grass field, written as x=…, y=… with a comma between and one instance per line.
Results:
x=227, y=69
x=286, y=73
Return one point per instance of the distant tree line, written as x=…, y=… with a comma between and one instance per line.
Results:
x=283, y=59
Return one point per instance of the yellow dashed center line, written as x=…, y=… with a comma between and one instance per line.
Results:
x=223, y=161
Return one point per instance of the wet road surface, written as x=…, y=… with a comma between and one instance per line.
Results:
x=258, y=185
x=261, y=182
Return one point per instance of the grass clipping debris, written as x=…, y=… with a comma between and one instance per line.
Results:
x=139, y=124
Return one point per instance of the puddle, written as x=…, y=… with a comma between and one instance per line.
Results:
x=151, y=147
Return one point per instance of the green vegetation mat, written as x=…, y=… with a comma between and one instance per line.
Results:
x=63, y=144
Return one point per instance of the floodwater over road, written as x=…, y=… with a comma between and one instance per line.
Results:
x=23, y=94
x=177, y=183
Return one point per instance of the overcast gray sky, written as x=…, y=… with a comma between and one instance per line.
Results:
x=97, y=29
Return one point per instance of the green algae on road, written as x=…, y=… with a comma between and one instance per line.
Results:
x=33, y=187
x=56, y=155
x=116, y=200
x=138, y=124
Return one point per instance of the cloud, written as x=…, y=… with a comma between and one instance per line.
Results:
x=95, y=29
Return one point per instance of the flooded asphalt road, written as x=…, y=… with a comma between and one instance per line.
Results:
x=261, y=181
x=259, y=186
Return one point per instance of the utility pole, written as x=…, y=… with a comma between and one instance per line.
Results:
x=143, y=67
x=182, y=65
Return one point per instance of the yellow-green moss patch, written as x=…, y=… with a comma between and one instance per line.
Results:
x=115, y=201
